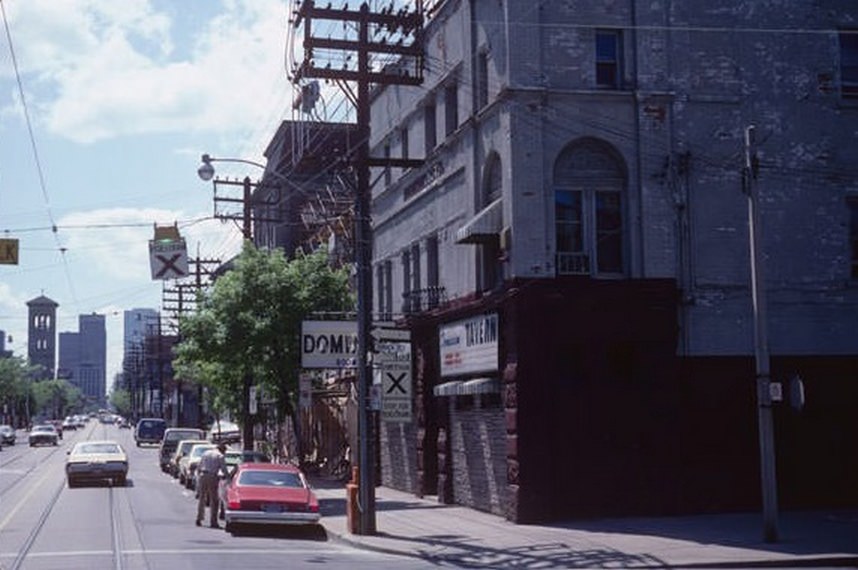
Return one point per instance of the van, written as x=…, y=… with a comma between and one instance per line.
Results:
x=149, y=430
x=170, y=441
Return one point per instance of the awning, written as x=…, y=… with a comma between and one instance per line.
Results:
x=486, y=224
x=468, y=387
x=480, y=386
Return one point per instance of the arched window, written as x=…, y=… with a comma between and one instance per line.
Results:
x=490, y=274
x=589, y=187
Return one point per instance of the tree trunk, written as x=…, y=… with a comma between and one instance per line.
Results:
x=247, y=428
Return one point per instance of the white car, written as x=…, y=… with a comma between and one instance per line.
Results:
x=43, y=434
x=97, y=461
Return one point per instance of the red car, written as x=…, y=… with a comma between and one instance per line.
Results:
x=267, y=493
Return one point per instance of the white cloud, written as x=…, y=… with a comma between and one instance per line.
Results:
x=104, y=69
x=115, y=242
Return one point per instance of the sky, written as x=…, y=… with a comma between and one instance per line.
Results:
x=123, y=97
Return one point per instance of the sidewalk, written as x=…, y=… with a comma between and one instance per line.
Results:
x=423, y=528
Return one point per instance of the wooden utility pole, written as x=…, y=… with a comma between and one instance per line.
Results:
x=407, y=48
x=761, y=346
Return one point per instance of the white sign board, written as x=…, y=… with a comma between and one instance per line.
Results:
x=394, y=366
x=329, y=344
x=469, y=346
x=168, y=259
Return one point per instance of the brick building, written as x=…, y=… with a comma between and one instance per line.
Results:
x=582, y=198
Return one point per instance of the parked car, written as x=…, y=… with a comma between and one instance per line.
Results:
x=189, y=463
x=7, y=435
x=235, y=457
x=182, y=449
x=43, y=434
x=97, y=461
x=149, y=430
x=171, y=439
x=267, y=493
x=225, y=431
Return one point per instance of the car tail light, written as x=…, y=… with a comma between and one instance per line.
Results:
x=313, y=508
x=234, y=505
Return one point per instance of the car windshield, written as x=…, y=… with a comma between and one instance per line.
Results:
x=180, y=435
x=270, y=479
x=87, y=448
x=198, y=450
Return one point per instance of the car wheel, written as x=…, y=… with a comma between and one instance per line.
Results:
x=120, y=481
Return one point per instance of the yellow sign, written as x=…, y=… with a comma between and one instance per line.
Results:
x=8, y=252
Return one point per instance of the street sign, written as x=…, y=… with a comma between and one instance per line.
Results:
x=8, y=251
x=394, y=366
x=382, y=334
x=329, y=344
x=168, y=259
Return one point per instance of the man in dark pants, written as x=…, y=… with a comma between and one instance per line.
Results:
x=212, y=464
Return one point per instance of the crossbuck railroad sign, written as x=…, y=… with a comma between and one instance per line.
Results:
x=168, y=259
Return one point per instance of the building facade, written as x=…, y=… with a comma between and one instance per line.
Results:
x=573, y=257
x=83, y=357
x=42, y=336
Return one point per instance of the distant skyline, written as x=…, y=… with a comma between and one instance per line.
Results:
x=120, y=100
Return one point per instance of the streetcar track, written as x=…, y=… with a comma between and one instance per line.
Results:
x=37, y=528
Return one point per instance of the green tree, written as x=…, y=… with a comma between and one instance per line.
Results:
x=56, y=398
x=120, y=399
x=247, y=328
x=14, y=389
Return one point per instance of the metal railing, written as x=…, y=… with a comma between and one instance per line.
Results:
x=573, y=264
x=423, y=299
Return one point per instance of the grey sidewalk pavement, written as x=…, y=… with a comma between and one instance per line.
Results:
x=469, y=538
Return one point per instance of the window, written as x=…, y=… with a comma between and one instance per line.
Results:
x=388, y=176
x=589, y=179
x=853, y=234
x=429, y=126
x=482, y=79
x=380, y=286
x=432, y=272
x=489, y=254
x=451, y=108
x=849, y=64
x=406, y=281
x=608, y=53
x=388, y=293
x=403, y=138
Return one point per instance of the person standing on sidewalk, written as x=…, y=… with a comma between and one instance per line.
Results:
x=212, y=465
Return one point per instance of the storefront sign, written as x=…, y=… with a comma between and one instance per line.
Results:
x=329, y=344
x=469, y=346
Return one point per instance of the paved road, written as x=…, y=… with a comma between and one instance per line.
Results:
x=147, y=524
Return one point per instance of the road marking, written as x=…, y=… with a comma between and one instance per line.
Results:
x=17, y=507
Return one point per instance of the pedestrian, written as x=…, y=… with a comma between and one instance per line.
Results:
x=212, y=465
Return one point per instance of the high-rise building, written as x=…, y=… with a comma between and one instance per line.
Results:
x=83, y=356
